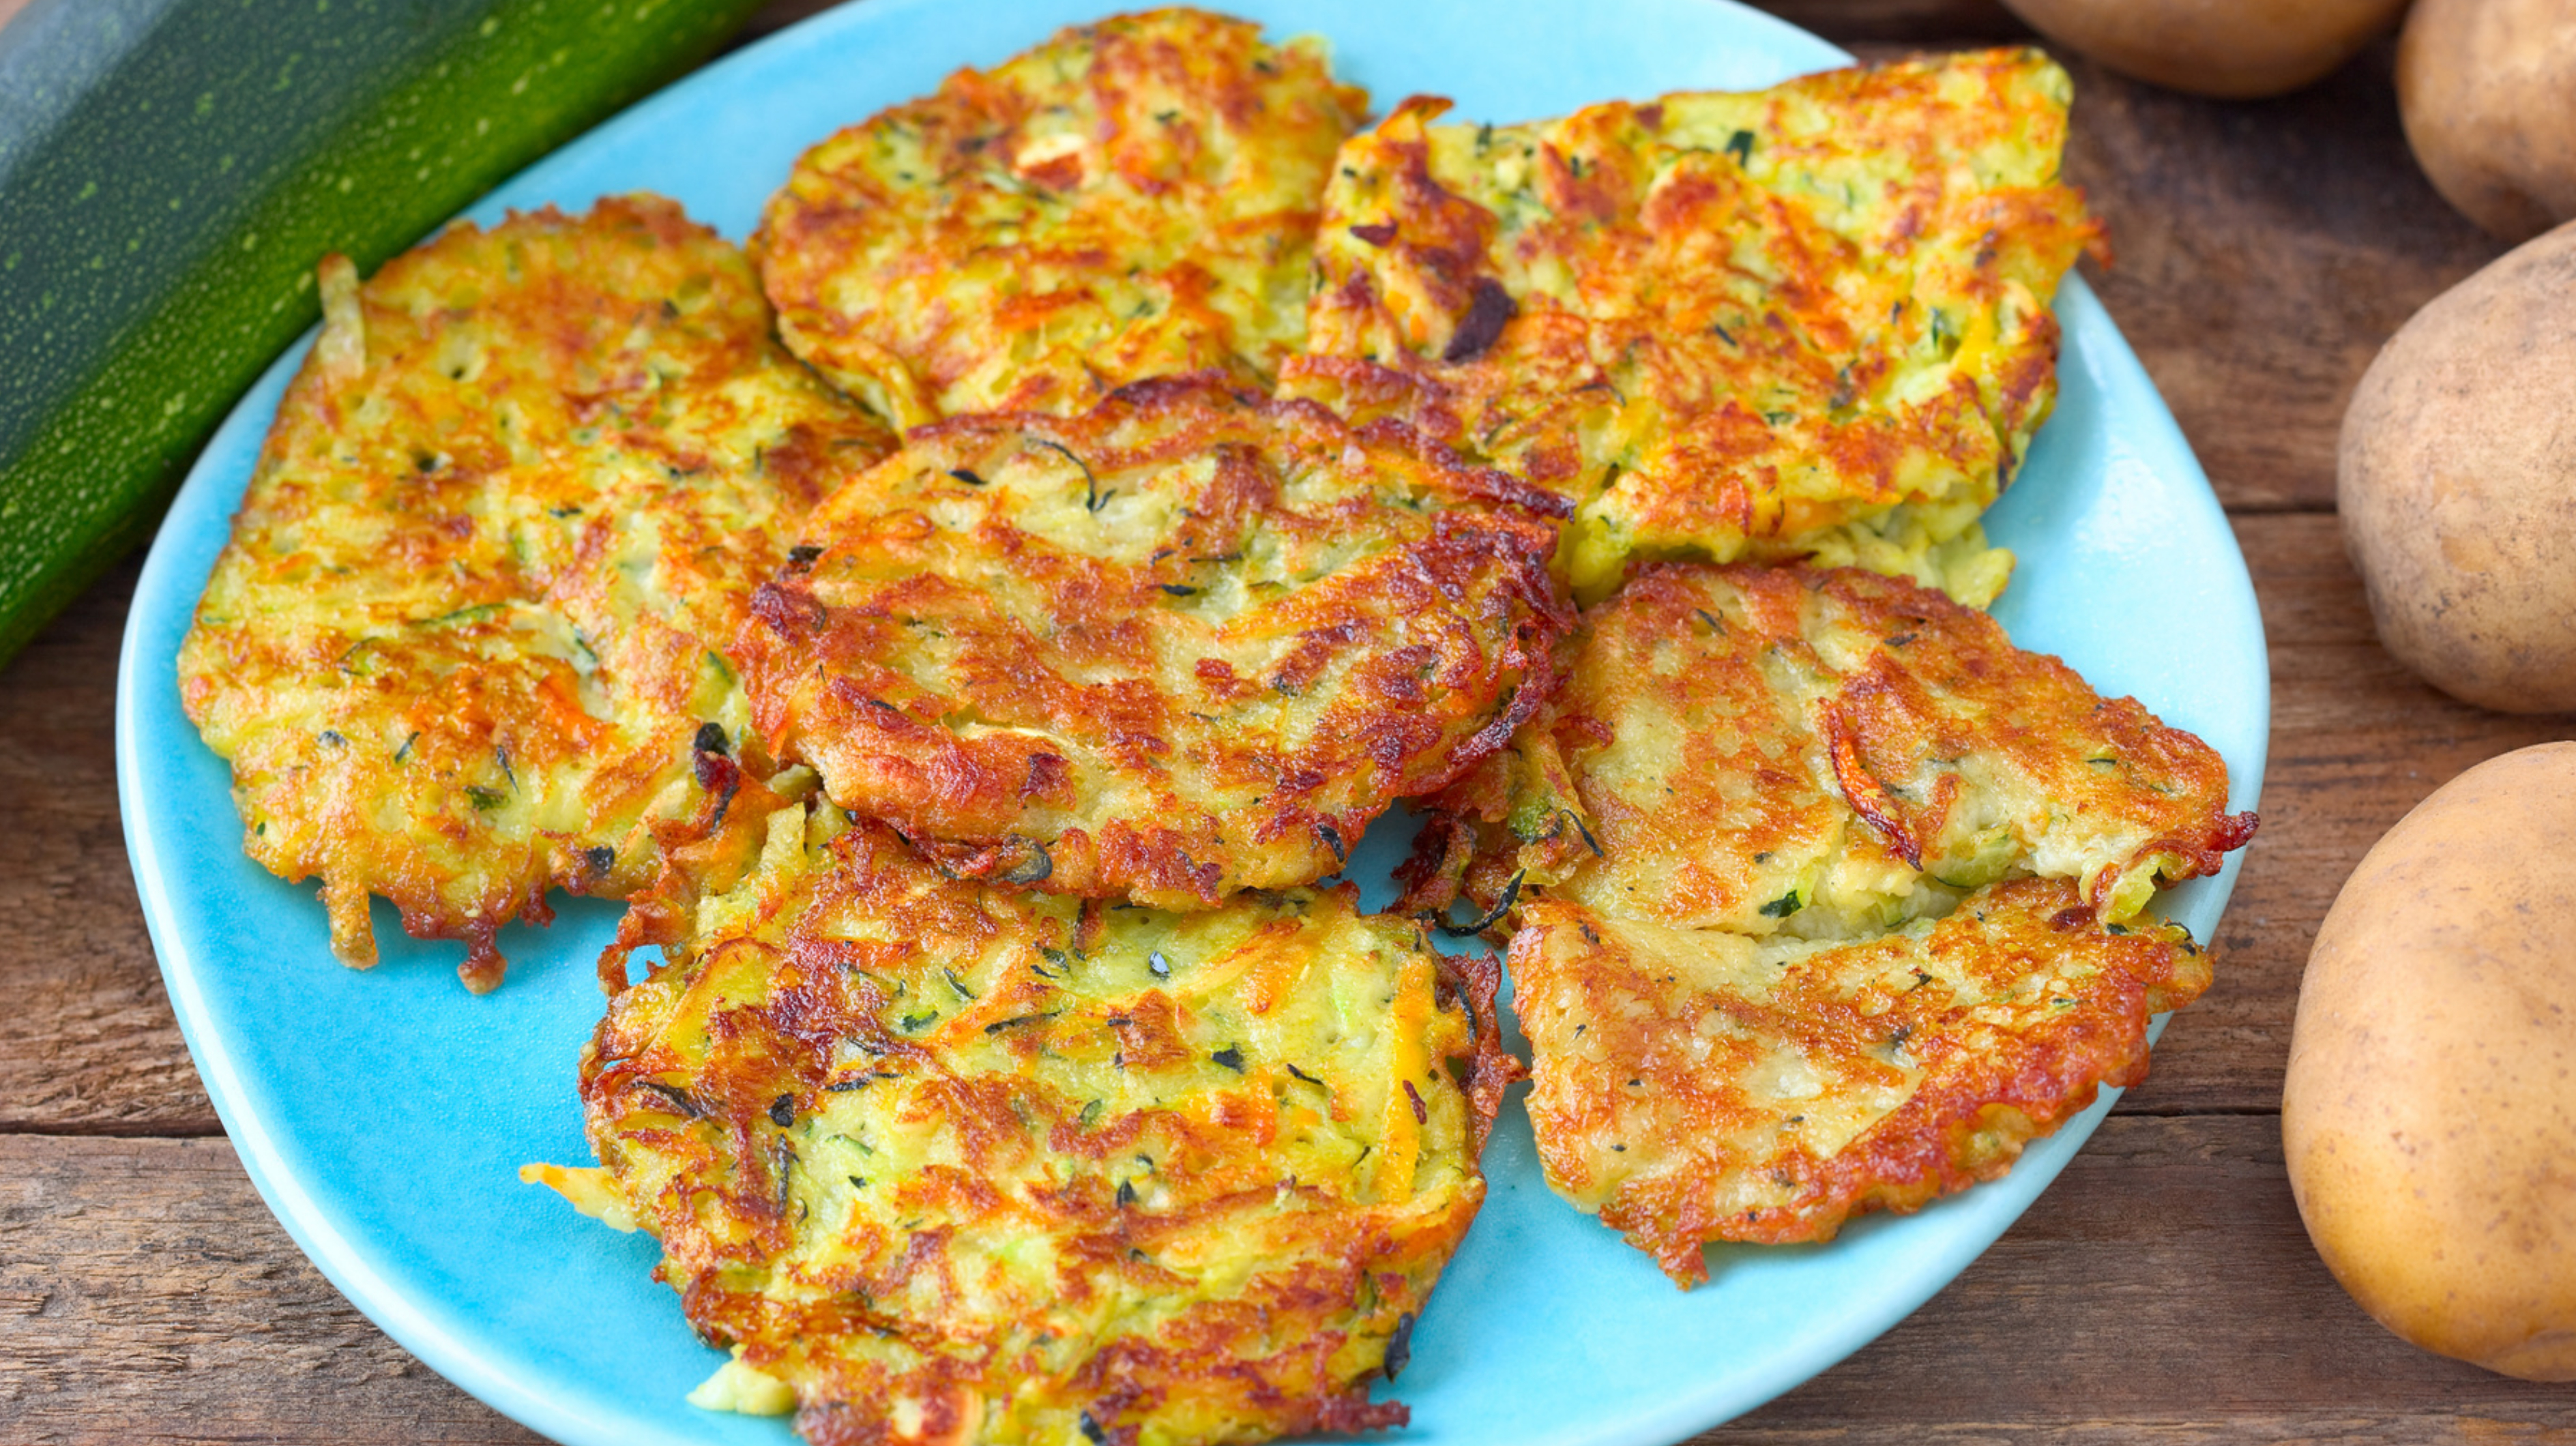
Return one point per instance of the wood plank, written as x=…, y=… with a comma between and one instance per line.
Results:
x=2163, y=1286
x=146, y=1295
x=88, y=1042
x=2356, y=742
x=2265, y=250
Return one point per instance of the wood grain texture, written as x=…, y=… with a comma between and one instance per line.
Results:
x=2162, y=1289
x=87, y=1044
x=146, y=1295
x=2264, y=251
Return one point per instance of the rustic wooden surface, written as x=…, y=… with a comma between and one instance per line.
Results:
x=2162, y=1288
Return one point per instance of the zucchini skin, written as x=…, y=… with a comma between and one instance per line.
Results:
x=170, y=172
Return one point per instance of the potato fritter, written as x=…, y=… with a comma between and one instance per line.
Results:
x=1770, y=810
x=462, y=644
x=1826, y=754
x=1696, y=1085
x=957, y=1162
x=1805, y=322
x=1187, y=643
x=1134, y=198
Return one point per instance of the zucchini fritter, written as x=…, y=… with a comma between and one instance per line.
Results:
x=1696, y=1085
x=1827, y=754
x=1805, y=322
x=958, y=1162
x=1184, y=644
x=1781, y=954
x=461, y=644
x=1134, y=198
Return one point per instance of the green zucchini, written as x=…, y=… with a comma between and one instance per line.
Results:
x=171, y=170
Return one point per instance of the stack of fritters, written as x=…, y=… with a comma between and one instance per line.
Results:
x=1187, y=644
x=466, y=641
x=1820, y=896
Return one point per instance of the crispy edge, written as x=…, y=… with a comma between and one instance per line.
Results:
x=1967, y=1122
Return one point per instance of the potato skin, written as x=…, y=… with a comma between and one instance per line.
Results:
x=2429, y=1116
x=2456, y=479
x=2234, y=48
x=2487, y=89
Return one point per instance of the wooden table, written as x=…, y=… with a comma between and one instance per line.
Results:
x=2161, y=1288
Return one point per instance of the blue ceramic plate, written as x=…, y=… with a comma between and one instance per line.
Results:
x=384, y=1115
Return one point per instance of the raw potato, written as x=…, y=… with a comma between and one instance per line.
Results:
x=2457, y=484
x=2238, y=48
x=2429, y=1118
x=2488, y=92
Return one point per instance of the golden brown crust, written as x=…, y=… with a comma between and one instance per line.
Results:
x=1694, y=1086
x=459, y=648
x=971, y=1163
x=1769, y=810
x=1187, y=643
x=1134, y=198
x=1725, y=324
x=1827, y=752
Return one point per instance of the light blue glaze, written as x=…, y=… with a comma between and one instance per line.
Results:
x=384, y=1115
